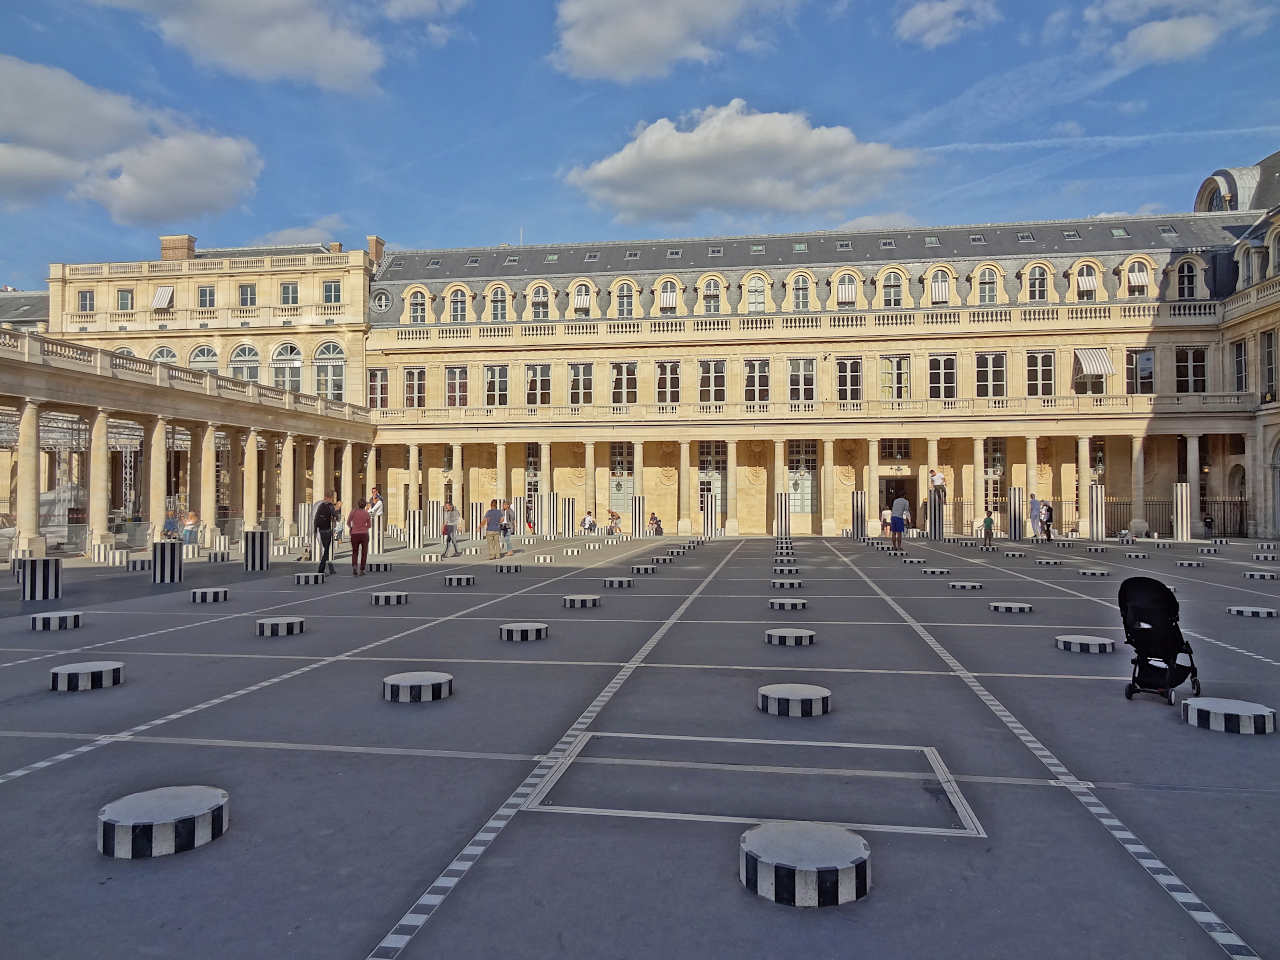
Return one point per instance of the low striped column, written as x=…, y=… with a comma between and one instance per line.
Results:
x=41, y=578
x=475, y=515
x=377, y=538
x=804, y=864
x=1182, y=511
x=1016, y=525
x=639, y=518
x=164, y=821
x=166, y=562
x=710, y=515
x=568, y=516
x=257, y=551
x=859, y=522
x=413, y=529
x=934, y=516
x=190, y=551
x=1097, y=512
x=103, y=552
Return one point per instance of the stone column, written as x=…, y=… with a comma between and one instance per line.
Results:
x=319, y=471
x=99, y=480
x=371, y=471
x=684, y=520
x=288, y=509
x=270, y=484
x=28, y=513
x=731, y=489
x=415, y=479
x=349, y=477
x=637, y=484
x=873, y=487
x=1033, y=467
x=251, y=479
x=1084, y=480
x=828, y=488
x=1193, y=478
x=157, y=470
x=979, y=483
x=209, y=481
x=1138, y=508
x=500, y=456
x=235, y=466
x=459, y=481
x=1254, y=519
x=779, y=470
x=548, y=484
x=589, y=469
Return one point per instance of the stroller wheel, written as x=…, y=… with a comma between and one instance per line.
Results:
x=1129, y=690
x=1195, y=687
x=1171, y=696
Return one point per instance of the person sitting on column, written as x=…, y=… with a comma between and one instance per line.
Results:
x=191, y=529
x=615, y=523
x=588, y=523
x=323, y=522
x=655, y=525
x=170, y=530
x=939, y=483
x=452, y=523
x=375, y=504
x=899, y=513
x=493, y=530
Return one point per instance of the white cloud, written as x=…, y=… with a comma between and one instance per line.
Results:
x=141, y=164
x=1067, y=128
x=1056, y=26
x=1165, y=41
x=423, y=9
x=625, y=41
x=1171, y=30
x=729, y=159
x=1131, y=108
x=935, y=23
x=320, y=229
x=1146, y=210
x=879, y=221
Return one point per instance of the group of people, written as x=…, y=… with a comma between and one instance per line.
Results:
x=327, y=523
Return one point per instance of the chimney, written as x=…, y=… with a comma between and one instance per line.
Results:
x=335, y=246
x=376, y=247
x=181, y=246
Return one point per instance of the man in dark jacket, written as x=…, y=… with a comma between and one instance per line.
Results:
x=325, y=517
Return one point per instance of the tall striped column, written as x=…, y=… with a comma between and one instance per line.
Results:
x=545, y=519
x=166, y=561
x=413, y=529
x=475, y=515
x=1017, y=512
x=518, y=506
x=433, y=519
x=568, y=516
x=639, y=519
x=377, y=537
x=710, y=514
x=41, y=577
x=935, y=513
x=257, y=551
x=1182, y=511
x=1097, y=512
x=859, y=522
x=781, y=514
x=303, y=512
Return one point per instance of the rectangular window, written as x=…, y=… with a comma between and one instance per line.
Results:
x=124, y=300
x=378, y=392
x=887, y=243
x=895, y=378
x=455, y=386
x=249, y=294
x=591, y=257
x=942, y=376
x=1025, y=237
x=715, y=251
x=1087, y=384
x=541, y=304
x=932, y=242
x=991, y=375
x=624, y=382
x=581, y=386
x=711, y=387
x=849, y=379
x=802, y=471
x=668, y=381
x=631, y=255
x=892, y=290
x=1240, y=365
x=1039, y=374
x=1140, y=371
x=842, y=245
x=551, y=258
x=1190, y=370
x=1070, y=234
x=86, y=301
x=415, y=386
x=626, y=301
x=288, y=294
x=895, y=448
x=802, y=379
x=537, y=384
x=800, y=294
x=800, y=247
x=1269, y=362
x=473, y=261
x=757, y=248
x=206, y=298
x=511, y=260
x=333, y=291
x=756, y=381
x=755, y=296
x=498, y=306
x=495, y=385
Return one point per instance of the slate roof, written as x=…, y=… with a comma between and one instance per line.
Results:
x=24, y=307
x=283, y=250
x=1267, y=194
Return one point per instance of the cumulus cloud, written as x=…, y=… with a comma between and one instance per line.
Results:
x=878, y=221
x=1166, y=41
x=141, y=164
x=935, y=23
x=320, y=229
x=606, y=39
x=1146, y=210
x=732, y=160
x=1167, y=31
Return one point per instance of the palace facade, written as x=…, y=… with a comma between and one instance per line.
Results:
x=1129, y=352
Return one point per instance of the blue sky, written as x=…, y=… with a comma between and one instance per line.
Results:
x=463, y=122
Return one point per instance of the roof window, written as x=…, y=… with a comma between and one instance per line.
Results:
x=1025, y=236
x=473, y=261
x=433, y=262
x=1167, y=230
x=887, y=243
x=552, y=258
x=1070, y=234
x=757, y=248
x=932, y=242
x=844, y=244
x=1119, y=232
x=592, y=257
x=513, y=258
x=800, y=247
x=715, y=251
x=632, y=255
x=977, y=238
x=673, y=253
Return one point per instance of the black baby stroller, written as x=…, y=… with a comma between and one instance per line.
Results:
x=1150, y=614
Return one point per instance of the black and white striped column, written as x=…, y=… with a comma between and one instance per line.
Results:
x=167, y=820
x=639, y=517
x=793, y=699
x=781, y=515
x=1017, y=508
x=166, y=561
x=859, y=522
x=475, y=515
x=568, y=516
x=803, y=864
x=710, y=515
x=544, y=514
x=421, y=686
x=519, y=506
x=302, y=513
x=414, y=530
x=1182, y=511
x=432, y=520
x=41, y=578
x=257, y=551
x=94, y=675
x=933, y=516
x=62, y=620
x=377, y=538
x=1097, y=512
x=522, y=632
x=1228, y=716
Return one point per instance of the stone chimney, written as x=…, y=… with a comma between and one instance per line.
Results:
x=335, y=246
x=376, y=247
x=181, y=246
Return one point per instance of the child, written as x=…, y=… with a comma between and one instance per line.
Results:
x=988, y=524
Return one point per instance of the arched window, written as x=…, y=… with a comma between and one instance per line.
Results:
x=940, y=288
x=670, y=299
x=800, y=293
x=626, y=300
x=244, y=362
x=711, y=296
x=1186, y=280
x=1246, y=272
x=541, y=305
x=582, y=300
x=1038, y=284
x=204, y=358
x=1275, y=255
x=1086, y=284
x=987, y=287
x=458, y=306
x=331, y=366
x=382, y=301
x=1138, y=277
x=286, y=368
x=498, y=305
x=755, y=295
x=847, y=290
x=1215, y=200
x=164, y=355
x=124, y=351
x=893, y=289
x=417, y=307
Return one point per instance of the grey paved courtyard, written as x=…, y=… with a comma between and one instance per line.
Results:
x=583, y=795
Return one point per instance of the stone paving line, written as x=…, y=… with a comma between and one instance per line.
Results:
x=417, y=916
x=271, y=681
x=1221, y=932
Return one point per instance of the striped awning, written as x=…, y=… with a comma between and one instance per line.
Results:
x=1094, y=361
x=582, y=299
x=846, y=292
x=940, y=287
x=1086, y=281
x=163, y=299
x=668, y=299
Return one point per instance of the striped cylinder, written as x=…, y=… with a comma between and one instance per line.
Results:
x=913, y=560
x=281, y=626
x=431, y=558
x=63, y=620
x=619, y=583
x=639, y=518
x=787, y=560
x=210, y=595
x=459, y=580
x=782, y=515
x=544, y=514
x=1137, y=555
x=138, y=564
x=379, y=567
x=219, y=556
x=1260, y=575
x=793, y=700
x=190, y=551
x=41, y=578
x=257, y=551
x=414, y=529
x=935, y=571
x=475, y=519
x=1094, y=572
x=302, y=514
x=166, y=562
x=780, y=862
x=1074, y=643
x=591, y=546
x=1220, y=542
x=676, y=551
x=421, y=686
x=933, y=516
x=1263, y=612
x=94, y=675
x=164, y=821
x=1182, y=512
x=1008, y=606
x=788, y=604
x=1095, y=549
x=1189, y=563
x=1041, y=562
x=661, y=558
x=571, y=551
x=568, y=508
x=1017, y=508
x=1207, y=551
x=506, y=568
x=643, y=568
x=522, y=632
x=787, y=584
x=307, y=579
x=1015, y=554
x=1097, y=512
x=789, y=637
x=389, y=598
x=221, y=542
x=965, y=585
x=710, y=515
x=1228, y=716
x=544, y=558
x=859, y=505
x=578, y=601
x=377, y=538
x=520, y=509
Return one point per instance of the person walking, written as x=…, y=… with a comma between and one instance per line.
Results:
x=359, y=522
x=191, y=529
x=452, y=521
x=988, y=528
x=1046, y=520
x=323, y=523
x=508, y=524
x=886, y=521
x=898, y=515
x=493, y=530
x=1033, y=512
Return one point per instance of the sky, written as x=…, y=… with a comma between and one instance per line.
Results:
x=448, y=123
